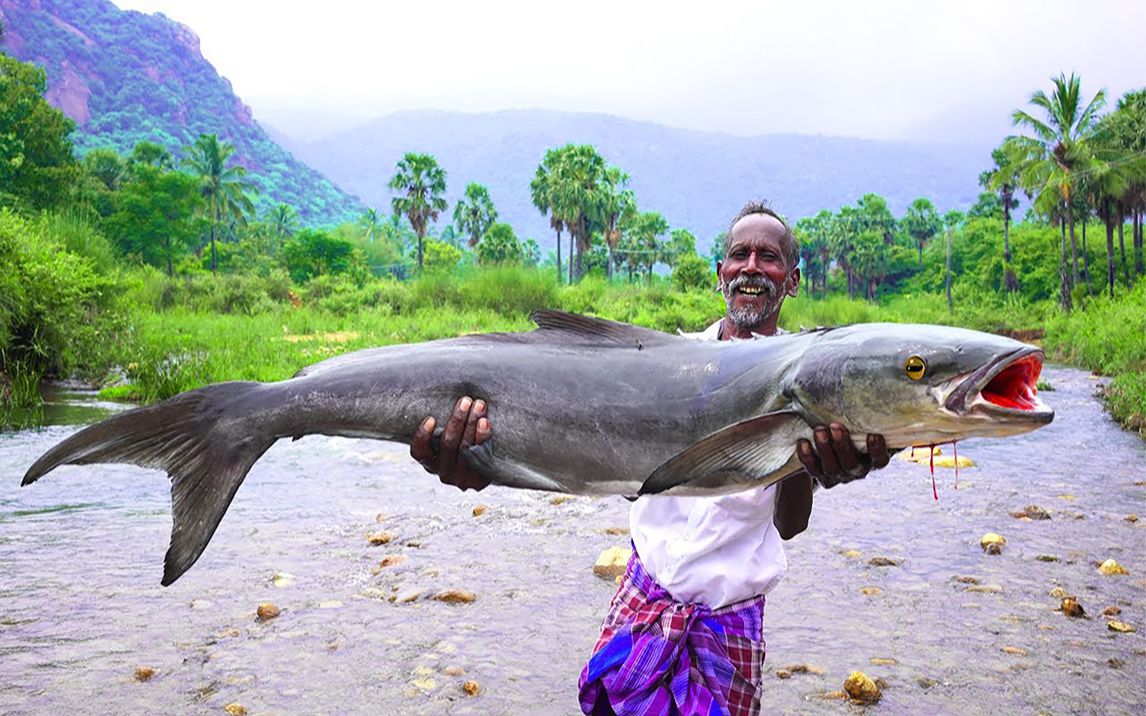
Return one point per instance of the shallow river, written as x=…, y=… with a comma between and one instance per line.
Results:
x=81, y=608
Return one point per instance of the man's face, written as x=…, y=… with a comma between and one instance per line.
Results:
x=754, y=276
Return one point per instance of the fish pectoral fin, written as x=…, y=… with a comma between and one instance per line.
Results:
x=500, y=471
x=758, y=452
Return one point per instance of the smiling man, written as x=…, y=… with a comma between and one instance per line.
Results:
x=685, y=630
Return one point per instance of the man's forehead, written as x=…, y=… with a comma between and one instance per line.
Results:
x=758, y=227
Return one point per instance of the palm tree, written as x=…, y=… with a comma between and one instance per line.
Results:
x=421, y=183
x=475, y=213
x=617, y=202
x=575, y=187
x=1003, y=178
x=922, y=222
x=223, y=188
x=370, y=224
x=283, y=223
x=951, y=221
x=1049, y=161
x=541, y=194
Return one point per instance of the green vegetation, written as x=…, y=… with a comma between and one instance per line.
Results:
x=151, y=277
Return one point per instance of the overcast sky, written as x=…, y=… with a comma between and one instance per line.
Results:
x=881, y=70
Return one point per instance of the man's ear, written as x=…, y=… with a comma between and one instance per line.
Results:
x=794, y=282
x=719, y=280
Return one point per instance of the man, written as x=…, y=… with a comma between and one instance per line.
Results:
x=684, y=633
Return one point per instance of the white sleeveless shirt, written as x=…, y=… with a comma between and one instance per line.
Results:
x=710, y=550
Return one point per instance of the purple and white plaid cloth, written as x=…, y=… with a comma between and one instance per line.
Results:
x=659, y=656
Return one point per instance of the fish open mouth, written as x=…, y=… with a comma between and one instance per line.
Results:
x=1005, y=386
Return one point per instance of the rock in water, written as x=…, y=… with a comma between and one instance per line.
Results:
x=267, y=611
x=144, y=673
x=612, y=562
x=1071, y=608
x=992, y=543
x=1111, y=568
x=861, y=688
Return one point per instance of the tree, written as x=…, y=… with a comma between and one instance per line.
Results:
x=951, y=221
x=37, y=163
x=311, y=253
x=617, y=203
x=151, y=154
x=681, y=243
x=1003, y=178
x=155, y=216
x=370, y=223
x=647, y=228
x=542, y=195
x=500, y=246
x=1047, y=163
x=575, y=188
x=921, y=222
x=283, y=221
x=225, y=191
x=421, y=183
x=474, y=213
x=692, y=272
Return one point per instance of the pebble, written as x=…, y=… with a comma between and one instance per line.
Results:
x=455, y=596
x=1121, y=627
x=1131, y=518
x=1047, y=558
x=985, y=588
x=392, y=560
x=1071, y=608
x=1112, y=611
x=992, y=543
x=926, y=682
x=1115, y=663
x=804, y=669
x=1058, y=592
x=453, y=671
x=235, y=709
x=480, y=510
x=870, y=591
x=882, y=661
x=144, y=673
x=1111, y=568
x=407, y=596
x=783, y=674
x=1017, y=651
x=426, y=684
x=883, y=562
x=612, y=562
x=615, y=531
x=966, y=580
x=861, y=688
x=560, y=499
x=379, y=537
x=267, y=611
x=471, y=687
x=282, y=579
x=1032, y=512
x=851, y=553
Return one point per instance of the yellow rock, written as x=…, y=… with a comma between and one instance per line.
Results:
x=144, y=673
x=1131, y=518
x=267, y=611
x=870, y=591
x=1071, y=608
x=1112, y=611
x=282, y=579
x=1110, y=568
x=949, y=461
x=882, y=661
x=380, y=537
x=852, y=553
x=612, y=562
x=992, y=543
x=920, y=454
x=560, y=499
x=783, y=674
x=480, y=510
x=861, y=688
x=1058, y=592
x=471, y=687
x=426, y=684
x=455, y=596
x=1014, y=650
x=453, y=671
x=1123, y=627
x=392, y=560
x=615, y=531
x=235, y=709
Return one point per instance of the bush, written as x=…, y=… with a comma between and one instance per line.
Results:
x=692, y=272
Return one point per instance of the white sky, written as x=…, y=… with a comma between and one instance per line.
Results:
x=883, y=70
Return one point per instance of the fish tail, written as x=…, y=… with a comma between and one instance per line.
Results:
x=205, y=449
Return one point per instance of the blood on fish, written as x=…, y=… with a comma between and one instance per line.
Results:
x=955, y=454
x=934, y=492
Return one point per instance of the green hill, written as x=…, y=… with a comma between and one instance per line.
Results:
x=126, y=77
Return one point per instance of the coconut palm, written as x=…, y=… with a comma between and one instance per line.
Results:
x=1003, y=178
x=1049, y=161
x=541, y=194
x=225, y=191
x=420, y=183
x=475, y=213
x=617, y=202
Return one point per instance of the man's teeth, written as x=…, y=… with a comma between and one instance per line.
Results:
x=750, y=290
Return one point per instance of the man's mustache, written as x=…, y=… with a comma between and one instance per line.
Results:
x=765, y=284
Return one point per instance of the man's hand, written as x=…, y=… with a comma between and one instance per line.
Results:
x=834, y=459
x=466, y=426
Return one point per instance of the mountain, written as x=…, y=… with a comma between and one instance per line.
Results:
x=124, y=76
x=698, y=180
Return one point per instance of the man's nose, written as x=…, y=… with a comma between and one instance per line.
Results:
x=753, y=264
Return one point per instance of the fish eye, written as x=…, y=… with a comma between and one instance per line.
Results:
x=915, y=367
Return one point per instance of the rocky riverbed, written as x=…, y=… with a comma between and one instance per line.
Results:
x=344, y=579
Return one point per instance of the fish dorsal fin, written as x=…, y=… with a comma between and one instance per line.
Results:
x=756, y=452
x=588, y=327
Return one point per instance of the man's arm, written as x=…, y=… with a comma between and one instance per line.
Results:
x=466, y=426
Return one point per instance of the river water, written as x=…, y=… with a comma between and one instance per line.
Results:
x=81, y=608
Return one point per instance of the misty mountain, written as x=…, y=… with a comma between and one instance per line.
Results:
x=698, y=180
x=124, y=77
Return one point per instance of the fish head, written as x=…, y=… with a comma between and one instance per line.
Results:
x=920, y=384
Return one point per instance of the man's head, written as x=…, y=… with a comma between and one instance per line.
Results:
x=760, y=268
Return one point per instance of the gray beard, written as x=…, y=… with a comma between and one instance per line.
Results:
x=749, y=318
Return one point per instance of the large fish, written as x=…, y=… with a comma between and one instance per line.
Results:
x=583, y=405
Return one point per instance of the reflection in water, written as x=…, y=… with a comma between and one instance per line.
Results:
x=951, y=629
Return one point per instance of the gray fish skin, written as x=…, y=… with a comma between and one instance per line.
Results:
x=581, y=405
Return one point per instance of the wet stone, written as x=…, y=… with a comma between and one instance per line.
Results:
x=1115, y=663
x=455, y=596
x=871, y=591
x=1120, y=627
x=612, y=562
x=560, y=499
x=1071, y=608
x=882, y=661
x=992, y=543
x=144, y=673
x=985, y=588
x=453, y=671
x=379, y=537
x=267, y=611
x=1014, y=650
x=783, y=674
x=966, y=580
x=391, y=560
x=480, y=510
x=804, y=669
x=861, y=688
x=1111, y=568
x=1047, y=558
x=1032, y=512
x=851, y=553
x=1058, y=592
x=883, y=562
x=1112, y=611
x=926, y=682
x=471, y=687
x=235, y=709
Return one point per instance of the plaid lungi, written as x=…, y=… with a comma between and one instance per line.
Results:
x=659, y=656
